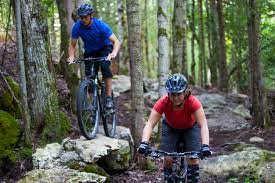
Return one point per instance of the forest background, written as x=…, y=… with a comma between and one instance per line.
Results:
x=226, y=45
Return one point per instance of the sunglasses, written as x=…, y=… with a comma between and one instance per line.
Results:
x=175, y=94
x=84, y=17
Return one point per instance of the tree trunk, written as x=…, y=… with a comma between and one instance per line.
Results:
x=223, y=78
x=163, y=45
x=193, y=64
x=135, y=50
x=214, y=53
x=66, y=70
x=146, y=45
x=42, y=95
x=22, y=75
x=69, y=7
x=120, y=34
x=202, y=67
x=179, y=27
x=256, y=80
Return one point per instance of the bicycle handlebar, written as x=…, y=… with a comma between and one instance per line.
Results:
x=92, y=59
x=158, y=153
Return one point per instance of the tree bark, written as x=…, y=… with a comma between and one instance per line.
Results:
x=146, y=40
x=193, y=63
x=202, y=67
x=223, y=77
x=67, y=71
x=120, y=34
x=214, y=53
x=42, y=95
x=256, y=80
x=163, y=45
x=22, y=75
x=179, y=27
x=135, y=50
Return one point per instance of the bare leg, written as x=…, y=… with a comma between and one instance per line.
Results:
x=108, y=82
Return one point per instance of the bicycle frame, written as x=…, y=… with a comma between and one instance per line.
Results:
x=179, y=172
x=97, y=105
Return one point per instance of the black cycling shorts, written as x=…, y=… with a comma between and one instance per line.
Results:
x=190, y=137
x=105, y=65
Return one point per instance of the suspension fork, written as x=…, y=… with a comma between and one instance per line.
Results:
x=95, y=92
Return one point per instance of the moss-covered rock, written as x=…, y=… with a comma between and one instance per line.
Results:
x=7, y=101
x=9, y=134
x=50, y=123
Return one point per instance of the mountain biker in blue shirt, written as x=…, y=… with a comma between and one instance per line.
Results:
x=99, y=41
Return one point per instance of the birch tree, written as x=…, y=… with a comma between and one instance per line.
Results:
x=163, y=45
x=179, y=27
x=22, y=75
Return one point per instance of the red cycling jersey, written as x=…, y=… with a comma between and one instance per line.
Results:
x=180, y=119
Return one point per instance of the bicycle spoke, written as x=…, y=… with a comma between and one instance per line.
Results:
x=86, y=111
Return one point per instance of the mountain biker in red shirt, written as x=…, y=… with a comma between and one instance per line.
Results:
x=99, y=41
x=184, y=120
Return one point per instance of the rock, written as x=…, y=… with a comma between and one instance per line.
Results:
x=90, y=151
x=218, y=113
x=152, y=95
x=121, y=83
x=60, y=176
x=212, y=100
x=256, y=139
x=121, y=133
x=46, y=158
x=238, y=98
x=245, y=162
x=80, y=153
x=242, y=111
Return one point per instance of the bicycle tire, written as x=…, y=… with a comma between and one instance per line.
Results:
x=108, y=116
x=88, y=110
x=183, y=170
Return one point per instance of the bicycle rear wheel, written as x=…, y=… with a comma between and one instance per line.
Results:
x=109, y=116
x=88, y=110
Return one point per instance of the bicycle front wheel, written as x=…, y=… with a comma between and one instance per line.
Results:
x=88, y=109
x=108, y=117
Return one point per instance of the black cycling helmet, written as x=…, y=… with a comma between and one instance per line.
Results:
x=84, y=10
x=176, y=83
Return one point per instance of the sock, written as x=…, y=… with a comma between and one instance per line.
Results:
x=167, y=171
x=193, y=173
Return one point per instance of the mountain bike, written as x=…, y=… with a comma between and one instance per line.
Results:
x=91, y=101
x=179, y=164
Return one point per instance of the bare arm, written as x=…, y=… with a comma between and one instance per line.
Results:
x=116, y=46
x=152, y=121
x=201, y=119
x=72, y=49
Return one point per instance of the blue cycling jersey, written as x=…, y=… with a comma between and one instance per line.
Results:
x=95, y=36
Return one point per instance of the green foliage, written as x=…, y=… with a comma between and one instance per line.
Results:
x=94, y=168
x=9, y=133
x=56, y=128
x=7, y=101
x=267, y=42
x=90, y=168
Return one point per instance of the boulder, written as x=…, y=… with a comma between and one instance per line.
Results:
x=82, y=152
x=61, y=176
x=121, y=83
x=247, y=162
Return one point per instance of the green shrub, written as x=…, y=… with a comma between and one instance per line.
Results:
x=9, y=134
